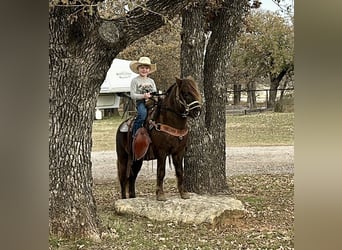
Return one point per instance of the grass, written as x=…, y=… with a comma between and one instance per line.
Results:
x=264, y=129
x=104, y=132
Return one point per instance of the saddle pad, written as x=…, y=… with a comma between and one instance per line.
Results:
x=124, y=127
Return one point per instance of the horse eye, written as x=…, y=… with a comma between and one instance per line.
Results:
x=186, y=95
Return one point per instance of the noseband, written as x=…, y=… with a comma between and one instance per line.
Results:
x=188, y=107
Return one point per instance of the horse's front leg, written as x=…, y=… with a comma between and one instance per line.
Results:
x=122, y=165
x=178, y=163
x=160, y=178
x=136, y=166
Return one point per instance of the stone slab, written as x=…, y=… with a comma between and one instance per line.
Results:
x=214, y=210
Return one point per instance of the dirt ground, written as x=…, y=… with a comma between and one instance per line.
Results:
x=240, y=160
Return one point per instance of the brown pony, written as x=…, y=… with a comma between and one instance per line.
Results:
x=168, y=131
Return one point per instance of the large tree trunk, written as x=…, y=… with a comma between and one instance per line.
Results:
x=81, y=49
x=205, y=161
x=77, y=70
x=192, y=57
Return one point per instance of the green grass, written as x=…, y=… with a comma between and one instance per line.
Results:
x=265, y=129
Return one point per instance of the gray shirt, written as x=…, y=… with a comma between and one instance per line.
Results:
x=141, y=85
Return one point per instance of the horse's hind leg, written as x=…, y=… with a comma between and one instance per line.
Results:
x=133, y=176
x=178, y=163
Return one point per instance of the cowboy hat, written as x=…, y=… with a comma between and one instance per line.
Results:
x=142, y=61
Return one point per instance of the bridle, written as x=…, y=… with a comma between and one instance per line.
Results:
x=187, y=106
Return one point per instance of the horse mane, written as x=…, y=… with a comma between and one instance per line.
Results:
x=193, y=88
x=168, y=91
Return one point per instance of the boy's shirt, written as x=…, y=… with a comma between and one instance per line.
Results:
x=140, y=85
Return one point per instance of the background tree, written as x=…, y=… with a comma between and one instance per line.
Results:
x=264, y=50
x=82, y=46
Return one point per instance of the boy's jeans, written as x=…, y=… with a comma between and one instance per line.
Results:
x=141, y=116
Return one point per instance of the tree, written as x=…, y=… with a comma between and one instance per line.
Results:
x=265, y=50
x=82, y=46
x=209, y=32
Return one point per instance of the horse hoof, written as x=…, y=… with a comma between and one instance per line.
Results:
x=185, y=196
x=161, y=197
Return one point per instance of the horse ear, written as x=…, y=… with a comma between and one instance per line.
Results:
x=190, y=78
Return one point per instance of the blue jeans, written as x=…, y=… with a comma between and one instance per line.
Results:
x=141, y=116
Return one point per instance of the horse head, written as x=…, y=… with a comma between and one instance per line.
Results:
x=189, y=97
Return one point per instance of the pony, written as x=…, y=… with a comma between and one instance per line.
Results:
x=167, y=129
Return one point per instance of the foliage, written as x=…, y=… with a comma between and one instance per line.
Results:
x=286, y=8
x=265, y=47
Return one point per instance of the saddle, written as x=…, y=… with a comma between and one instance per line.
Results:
x=138, y=146
x=141, y=143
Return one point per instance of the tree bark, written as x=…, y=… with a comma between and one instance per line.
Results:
x=76, y=71
x=251, y=96
x=192, y=56
x=274, y=85
x=205, y=161
x=81, y=49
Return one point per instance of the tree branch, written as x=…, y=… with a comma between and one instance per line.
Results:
x=140, y=22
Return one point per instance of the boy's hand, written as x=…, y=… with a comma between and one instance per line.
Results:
x=147, y=95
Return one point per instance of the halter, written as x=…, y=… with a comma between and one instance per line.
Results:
x=187, y=106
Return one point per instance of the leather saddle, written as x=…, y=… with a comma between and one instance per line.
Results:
x=139, y=145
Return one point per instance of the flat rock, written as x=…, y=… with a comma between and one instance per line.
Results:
x=214, y=210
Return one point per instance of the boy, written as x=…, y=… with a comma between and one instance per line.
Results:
x=141, y=88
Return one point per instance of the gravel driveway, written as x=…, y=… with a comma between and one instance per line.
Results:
x=240, y=160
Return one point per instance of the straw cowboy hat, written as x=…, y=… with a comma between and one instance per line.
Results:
x=142, y=61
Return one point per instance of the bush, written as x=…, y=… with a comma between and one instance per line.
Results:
x=286, y=105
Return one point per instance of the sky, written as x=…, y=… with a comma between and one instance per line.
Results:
x=270, y=5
